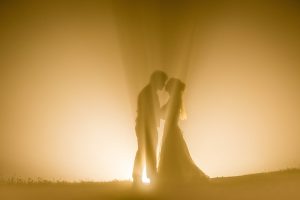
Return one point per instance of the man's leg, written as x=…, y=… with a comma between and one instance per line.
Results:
x=139, y=156
x=151, y=157
x=151, y=166
x=138, y=167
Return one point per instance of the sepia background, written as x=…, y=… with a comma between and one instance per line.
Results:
x=70, y=73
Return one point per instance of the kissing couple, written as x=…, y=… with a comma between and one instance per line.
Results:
x=175, y=163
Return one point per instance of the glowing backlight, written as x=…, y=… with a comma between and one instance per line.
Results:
x=145, y=179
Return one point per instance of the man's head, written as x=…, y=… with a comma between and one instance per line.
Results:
x=158, y=79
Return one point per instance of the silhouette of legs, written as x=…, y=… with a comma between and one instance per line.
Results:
x=138, y=166
x=151, y=144
x=139, y=160
x=146, y=153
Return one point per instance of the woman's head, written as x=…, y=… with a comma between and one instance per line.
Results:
x=174, y=85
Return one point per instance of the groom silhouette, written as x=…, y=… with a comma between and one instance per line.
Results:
x=147, y=121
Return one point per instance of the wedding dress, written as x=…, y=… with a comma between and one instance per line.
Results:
x=176, y=164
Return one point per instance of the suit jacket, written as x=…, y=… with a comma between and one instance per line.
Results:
x=148, y=108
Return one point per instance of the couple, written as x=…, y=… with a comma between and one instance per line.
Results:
x=176, y=164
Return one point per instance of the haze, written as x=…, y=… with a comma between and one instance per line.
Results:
x=70, y=75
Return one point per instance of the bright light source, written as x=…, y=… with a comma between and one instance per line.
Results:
x=145, y=179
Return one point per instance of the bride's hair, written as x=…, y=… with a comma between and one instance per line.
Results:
x=175, y=87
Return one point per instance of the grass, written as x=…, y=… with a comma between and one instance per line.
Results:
x=278, y=185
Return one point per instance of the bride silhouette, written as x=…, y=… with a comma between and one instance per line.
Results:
x=176, y=164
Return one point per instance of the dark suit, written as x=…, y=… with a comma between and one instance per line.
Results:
x=147, y=121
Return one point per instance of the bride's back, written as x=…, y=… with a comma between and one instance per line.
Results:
x=173, y=108
x=176, y=164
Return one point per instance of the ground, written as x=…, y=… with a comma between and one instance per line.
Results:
x=276, y=186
